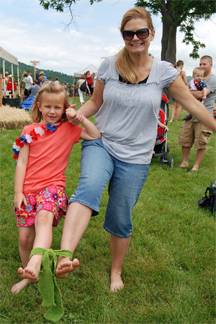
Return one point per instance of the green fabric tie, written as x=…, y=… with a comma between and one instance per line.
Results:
x=48, y=287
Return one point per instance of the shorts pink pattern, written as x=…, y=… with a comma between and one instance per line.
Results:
x=52, y=198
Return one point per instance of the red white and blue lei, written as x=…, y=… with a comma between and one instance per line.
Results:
x=33, y=135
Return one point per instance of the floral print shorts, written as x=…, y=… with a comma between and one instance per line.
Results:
x=53, y=199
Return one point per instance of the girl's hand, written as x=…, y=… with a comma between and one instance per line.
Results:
x=18, y=200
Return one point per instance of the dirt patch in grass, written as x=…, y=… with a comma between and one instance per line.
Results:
x=12, y=117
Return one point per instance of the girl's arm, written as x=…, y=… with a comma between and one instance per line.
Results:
x=181, y=93
x=163, y=126
x=22, y=161
x=90, y=131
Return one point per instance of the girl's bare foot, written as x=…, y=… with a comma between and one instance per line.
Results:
x=116, y=281
x=28, y=273
x=64, y=266
x=19, y=286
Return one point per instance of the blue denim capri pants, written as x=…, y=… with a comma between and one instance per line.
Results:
x=126, y=180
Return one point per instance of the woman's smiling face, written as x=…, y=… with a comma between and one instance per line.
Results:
x=136, y=45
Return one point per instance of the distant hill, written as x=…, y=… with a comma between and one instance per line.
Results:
x=50, y=74
x=189, y=78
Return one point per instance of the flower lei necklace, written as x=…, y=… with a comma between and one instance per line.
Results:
x=28, y=138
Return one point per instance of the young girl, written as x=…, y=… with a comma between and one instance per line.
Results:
x=44, y=149
x=176, y=109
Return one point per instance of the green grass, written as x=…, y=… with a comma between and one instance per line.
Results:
x=169, y=270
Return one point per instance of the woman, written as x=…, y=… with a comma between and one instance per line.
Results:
x=89, y=79
x=82, y=82
x=176, y=105
x=126, y=98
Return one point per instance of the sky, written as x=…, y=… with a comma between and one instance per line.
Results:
x=33, y=34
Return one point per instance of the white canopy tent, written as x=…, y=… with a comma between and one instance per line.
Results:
x=6, y=56
x=90, y=68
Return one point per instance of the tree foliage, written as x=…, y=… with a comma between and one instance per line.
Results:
x=61, y=5
x=175, y=13
x=183, y=14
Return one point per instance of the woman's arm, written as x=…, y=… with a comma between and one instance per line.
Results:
x=184, y=78
x=20, y=176
x=90, y=107
x=181, y=93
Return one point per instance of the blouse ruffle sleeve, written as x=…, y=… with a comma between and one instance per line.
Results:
x=168, y=74
x=103, y=71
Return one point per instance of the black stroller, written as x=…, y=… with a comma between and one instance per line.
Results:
x=162, y=147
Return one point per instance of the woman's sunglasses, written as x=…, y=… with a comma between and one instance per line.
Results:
x=141, y=33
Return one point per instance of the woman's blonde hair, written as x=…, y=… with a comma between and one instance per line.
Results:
x=48, y=87
x=124, y=65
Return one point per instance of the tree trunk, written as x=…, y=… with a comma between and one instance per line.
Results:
x=168, y=42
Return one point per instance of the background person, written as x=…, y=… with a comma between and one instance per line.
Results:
x=56, y=80
x=34, y=89
x=199, y=133
x=89, y=78
x=126, y=100
x=42, y=74
x=82, y=93
x=28, y=83
x=197, y=84
x=10, y=86
x=176, y=109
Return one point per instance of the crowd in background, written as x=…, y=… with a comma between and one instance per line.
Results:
x=29, y=86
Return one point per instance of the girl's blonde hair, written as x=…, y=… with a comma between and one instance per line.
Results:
x=48, y=87
x=124, y=65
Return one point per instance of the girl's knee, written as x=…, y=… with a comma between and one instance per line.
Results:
x=44, y=217
x=26, y=240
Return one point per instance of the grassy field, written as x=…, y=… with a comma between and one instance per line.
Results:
x=169, y=271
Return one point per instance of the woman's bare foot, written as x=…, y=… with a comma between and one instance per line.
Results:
x=19, y=286
x=28, y=273
x=116, y=281
x=183, y=165
x=64, y=266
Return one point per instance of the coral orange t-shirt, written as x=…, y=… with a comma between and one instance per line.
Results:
x=48, y=156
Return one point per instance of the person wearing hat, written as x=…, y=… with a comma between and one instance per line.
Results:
x=42, y=74
x=28, y=83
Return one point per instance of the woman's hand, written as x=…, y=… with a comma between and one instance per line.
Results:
x=18, y=200
x=74, y=117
